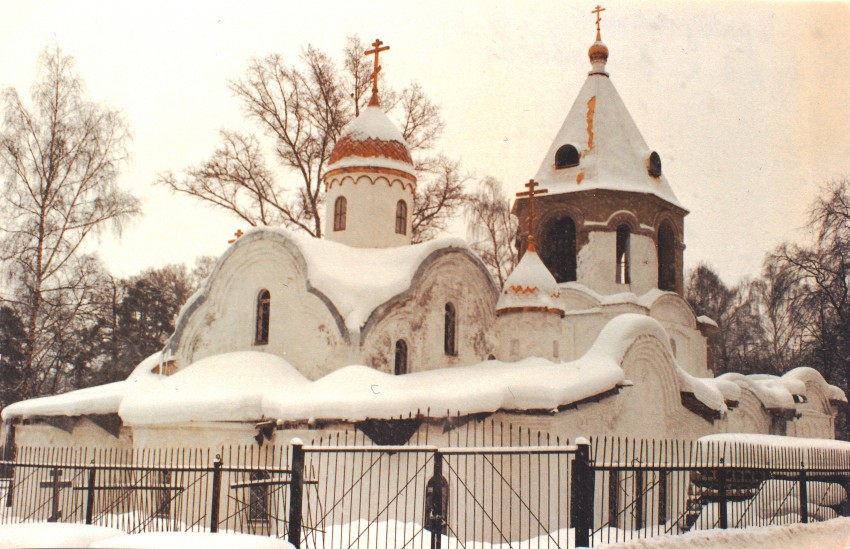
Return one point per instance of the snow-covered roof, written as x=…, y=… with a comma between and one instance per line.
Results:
x=356, y=281
x=613, y=154
x=530, y=287
x=371, y=141
x=777, y=393
x=248, y=386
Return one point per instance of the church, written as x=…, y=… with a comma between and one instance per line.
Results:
x=590, y=335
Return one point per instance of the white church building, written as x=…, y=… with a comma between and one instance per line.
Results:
x=590, y=335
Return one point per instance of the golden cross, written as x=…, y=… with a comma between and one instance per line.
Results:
x=376, y=50
x=598, y=11
x=531, y=193
x=237, y=234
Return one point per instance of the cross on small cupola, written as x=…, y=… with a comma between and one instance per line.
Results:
x=531, y=193
x=376, y=51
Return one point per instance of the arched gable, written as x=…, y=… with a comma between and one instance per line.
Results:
x=448, y=275
x=220, y=317
x=672, y=308
x=749, y=416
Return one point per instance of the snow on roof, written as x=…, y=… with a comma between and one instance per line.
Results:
x=358, y=280
x=372, y=162
x=373, y=123
x=225, y=387
x=355, y=280
x=613, y=154
x=102, y=399
x=777, y=393
x=702, y=319
x=810, y=375
x=530, y=285
x=249, y=386
x=646, y=300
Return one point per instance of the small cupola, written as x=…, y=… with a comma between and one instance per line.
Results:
x=370, y=179
x=530, y=287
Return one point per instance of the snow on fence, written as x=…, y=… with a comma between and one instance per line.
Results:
x=486, y=484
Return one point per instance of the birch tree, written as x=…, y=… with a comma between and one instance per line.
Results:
x=60, y=158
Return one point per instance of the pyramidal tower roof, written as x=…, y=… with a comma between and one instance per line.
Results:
x=610, y=152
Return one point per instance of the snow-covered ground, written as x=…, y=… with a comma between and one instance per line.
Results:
x=832, y=534
x=44, y=535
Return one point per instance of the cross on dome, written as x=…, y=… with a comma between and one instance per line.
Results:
x=598, y=11
x=531, y=193
x=376, y=50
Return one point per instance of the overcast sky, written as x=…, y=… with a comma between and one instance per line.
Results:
x=746, y=103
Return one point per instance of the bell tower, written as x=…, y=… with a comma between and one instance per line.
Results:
x=611, y=220
x=370, y=179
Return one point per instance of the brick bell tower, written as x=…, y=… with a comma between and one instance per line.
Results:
x=611, y=220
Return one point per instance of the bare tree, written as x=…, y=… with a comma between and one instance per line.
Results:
x=301, y=110
x=491, y=228
x=824, y=268
x=60, y=160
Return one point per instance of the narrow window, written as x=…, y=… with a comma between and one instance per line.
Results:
x=261, y=337
x=566, y=157
x=258, y=498
x=340, y=207
x=400, y=357
x=401, y=217
x=653, y=164
x=558, y=249
x=450, y=331
x=666, y=257
x=623, y=244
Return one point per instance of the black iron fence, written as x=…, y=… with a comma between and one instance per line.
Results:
x=500, y=486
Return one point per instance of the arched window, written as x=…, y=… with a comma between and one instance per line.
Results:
x=566, y=157
x=623, y=245
x=340, y=207
x=261, y=336
x=400, y=357
x=653, y=164
x=666, y=257
x=558, y=249
x=401, y=217
x=258, y=497
x=450, y=331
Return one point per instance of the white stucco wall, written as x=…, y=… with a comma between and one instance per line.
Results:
x=371, y=209
x=523, y=334
x=302, y=329
x=597, y=264
x=418, y=317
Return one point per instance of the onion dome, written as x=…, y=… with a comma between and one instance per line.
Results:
x=598, y=54
x=371, y=141
x=530, y=287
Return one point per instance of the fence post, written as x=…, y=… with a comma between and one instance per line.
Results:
x=296, y=492
x=90, y=495
x=216, y=494
x=804, y=495
x=436, y=511
x=722, y=496
x=581, y=494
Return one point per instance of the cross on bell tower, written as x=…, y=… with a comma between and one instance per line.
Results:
x=598, y=12
x=531, y=193
x=376, y=51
